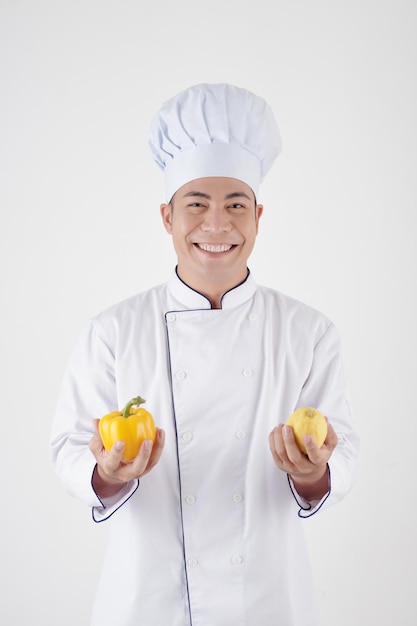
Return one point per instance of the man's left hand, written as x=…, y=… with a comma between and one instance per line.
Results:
x=309, y=472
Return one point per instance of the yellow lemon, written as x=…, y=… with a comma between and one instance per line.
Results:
x=308, y=421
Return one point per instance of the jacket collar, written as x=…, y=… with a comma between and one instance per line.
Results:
x=188, y=298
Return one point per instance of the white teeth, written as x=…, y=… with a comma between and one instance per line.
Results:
x=211, y=248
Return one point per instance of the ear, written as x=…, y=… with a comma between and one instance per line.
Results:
x=258, y=214
x=166, y=214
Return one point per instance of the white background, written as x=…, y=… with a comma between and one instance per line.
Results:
x=80, y=230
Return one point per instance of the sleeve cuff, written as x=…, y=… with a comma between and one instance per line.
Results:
x=108, y=506
x=308, y=508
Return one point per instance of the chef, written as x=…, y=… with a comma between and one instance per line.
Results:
x=206, y=525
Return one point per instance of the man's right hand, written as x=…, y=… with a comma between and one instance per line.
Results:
x=112, y=473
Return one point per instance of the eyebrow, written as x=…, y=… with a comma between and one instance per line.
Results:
x=229, y=196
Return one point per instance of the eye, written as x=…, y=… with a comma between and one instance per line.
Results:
x=195, y=208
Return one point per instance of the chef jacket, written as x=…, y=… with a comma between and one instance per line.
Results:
x=213, y=535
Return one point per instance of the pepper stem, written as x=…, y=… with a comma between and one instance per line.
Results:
x=133, y=402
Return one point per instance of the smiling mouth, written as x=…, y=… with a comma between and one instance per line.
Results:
x=216, y=248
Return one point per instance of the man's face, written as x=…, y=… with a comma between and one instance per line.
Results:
x=213, y=223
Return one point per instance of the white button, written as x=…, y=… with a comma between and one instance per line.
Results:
x=171, y=317
x=247, y=372
x=180, y=375
x=237, y=559
x=187, y=436
x=253, y=317
x=238, y=497
x=192, y=562
x=190, y=499
x=240, y=434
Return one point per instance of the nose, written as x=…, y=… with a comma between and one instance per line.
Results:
x=216, y=221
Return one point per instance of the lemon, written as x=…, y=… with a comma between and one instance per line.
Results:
x=308, y=421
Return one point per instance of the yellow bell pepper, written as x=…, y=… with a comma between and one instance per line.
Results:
x=132, y=425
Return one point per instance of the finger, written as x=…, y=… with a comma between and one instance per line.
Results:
x=277, y=447
x=294, y=454
x=157, y=448
x=140, y=462
x=279, y=442
x=313, y=451
x=331, y=439
x=321, y=455
x=113, y=459
x=273, y=444
x=148, y=456
x=95, y=444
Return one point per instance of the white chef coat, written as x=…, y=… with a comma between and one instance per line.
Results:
x=213, y=535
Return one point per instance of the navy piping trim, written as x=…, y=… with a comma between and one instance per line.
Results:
x=99, y=521
x=192, y=289
x=309, y=507
x=236, y=286
x=203, y=296
x=179, y=485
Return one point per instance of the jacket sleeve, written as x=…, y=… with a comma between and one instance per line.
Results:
x=88, y=391
x=108, y=506
x=325, y=388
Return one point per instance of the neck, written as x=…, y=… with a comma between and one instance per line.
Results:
x=213, y=291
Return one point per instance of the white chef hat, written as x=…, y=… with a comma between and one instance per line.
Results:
x=214, y=130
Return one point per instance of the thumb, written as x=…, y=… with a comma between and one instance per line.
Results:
x=114, y=457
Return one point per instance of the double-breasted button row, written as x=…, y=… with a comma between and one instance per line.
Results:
x=191, y=499
x=187, y=436
x=171, y=317
x=236, y=559
x=247, y=372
